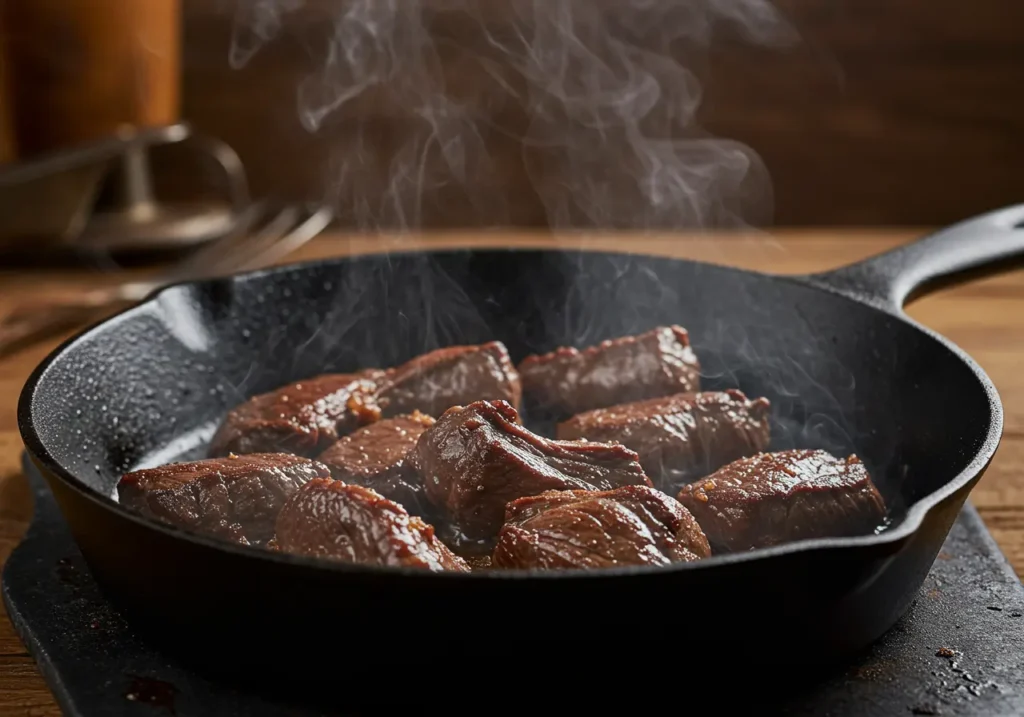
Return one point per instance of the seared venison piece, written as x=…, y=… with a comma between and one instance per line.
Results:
x=355, y=524
x=453, y=376
x=307, y=416
x=634, y=525
x=378, y=456
x=476, y=459
x=774, y=498
x=236, y=498
x=304, y=417
x=679, y=438
x=567, y=381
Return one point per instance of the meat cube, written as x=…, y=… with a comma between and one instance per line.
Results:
x=568, y=381
x=679, y=438
x=476, y=459
x=355, y=524
x=453, y=376
x=307, y=416
x=635, y=525
x=773, y=498
x=236, y=498
x=378, y=456
x=304, y=417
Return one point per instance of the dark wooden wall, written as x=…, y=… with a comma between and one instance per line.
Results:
x=886, y=112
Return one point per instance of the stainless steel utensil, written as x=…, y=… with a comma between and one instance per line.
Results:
x=54, y=201
x=260, y=237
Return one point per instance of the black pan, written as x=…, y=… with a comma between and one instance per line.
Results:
x=844, y=368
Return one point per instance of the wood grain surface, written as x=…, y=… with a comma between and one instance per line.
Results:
x=985, y=317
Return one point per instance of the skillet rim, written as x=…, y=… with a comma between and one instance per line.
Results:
x=891, y=537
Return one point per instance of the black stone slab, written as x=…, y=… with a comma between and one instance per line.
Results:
x=958, y=651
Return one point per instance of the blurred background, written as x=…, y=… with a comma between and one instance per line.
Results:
x=868, y=112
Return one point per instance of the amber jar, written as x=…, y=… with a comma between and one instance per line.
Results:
x=79, y=69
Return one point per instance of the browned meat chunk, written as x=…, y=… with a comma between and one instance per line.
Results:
x=476, y=459
x=568, y=381
x=354, y=524
x=453, y=376
x=634, y=525
x=302, y=418
x=679, y=438
x=236, y=498
x=378, y=457
x=773, y=498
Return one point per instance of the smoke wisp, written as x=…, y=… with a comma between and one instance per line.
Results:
x=593, y=101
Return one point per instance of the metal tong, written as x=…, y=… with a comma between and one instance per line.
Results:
x=259, y=238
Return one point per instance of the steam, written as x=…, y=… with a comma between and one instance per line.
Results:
x=256, y=23
x=594, y=101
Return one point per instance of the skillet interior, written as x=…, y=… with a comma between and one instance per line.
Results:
x=149, y=386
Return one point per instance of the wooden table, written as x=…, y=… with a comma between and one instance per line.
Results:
x=985, y=317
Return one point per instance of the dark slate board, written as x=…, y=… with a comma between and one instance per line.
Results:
x=970, y=609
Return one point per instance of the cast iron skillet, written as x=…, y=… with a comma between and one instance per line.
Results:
x=844, y=368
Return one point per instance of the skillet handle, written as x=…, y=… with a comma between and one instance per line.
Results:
x=984, y=244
